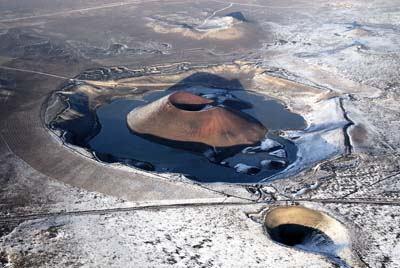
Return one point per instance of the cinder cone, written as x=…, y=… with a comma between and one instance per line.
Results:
x=179, y=117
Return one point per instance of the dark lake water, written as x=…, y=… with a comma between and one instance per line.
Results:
x=116, y=143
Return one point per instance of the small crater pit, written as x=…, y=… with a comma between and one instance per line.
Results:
x=309, y=230
x=232, y=26
x=296, y=234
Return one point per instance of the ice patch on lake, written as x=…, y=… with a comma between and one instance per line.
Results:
x=268, y=144
x=243, y=168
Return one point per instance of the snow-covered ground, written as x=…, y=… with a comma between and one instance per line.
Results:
x=326, y=60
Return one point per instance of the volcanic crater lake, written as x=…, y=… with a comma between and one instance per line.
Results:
x=117, y=143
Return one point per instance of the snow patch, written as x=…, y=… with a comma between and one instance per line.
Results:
x=243, y=168
x=266, y=145
x=323, y=138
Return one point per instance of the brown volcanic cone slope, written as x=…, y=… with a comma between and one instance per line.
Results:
x=179, y=116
